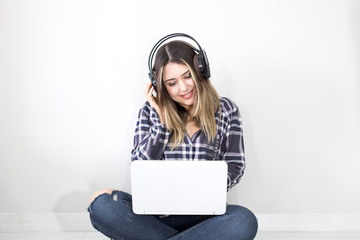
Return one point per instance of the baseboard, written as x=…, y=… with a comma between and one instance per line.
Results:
x=45, y=222
x=307, y=222
x=79, y=222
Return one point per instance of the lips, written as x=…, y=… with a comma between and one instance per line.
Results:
x=188, y=95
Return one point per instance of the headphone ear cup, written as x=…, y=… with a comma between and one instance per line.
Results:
x=153, y=80
x=202, y=65
x=196, y=65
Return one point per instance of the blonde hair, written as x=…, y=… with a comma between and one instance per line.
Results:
x=206, y=103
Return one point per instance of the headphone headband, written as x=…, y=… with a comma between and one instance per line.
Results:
x=164, y=39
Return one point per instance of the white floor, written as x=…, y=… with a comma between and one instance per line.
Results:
x=260, y=236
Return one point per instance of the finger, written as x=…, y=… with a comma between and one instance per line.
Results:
x=148, y=84
x=149, y=95
x=147, y=88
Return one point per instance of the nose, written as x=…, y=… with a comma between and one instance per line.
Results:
x=183, y=86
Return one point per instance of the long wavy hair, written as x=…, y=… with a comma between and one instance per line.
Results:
x=206, y=103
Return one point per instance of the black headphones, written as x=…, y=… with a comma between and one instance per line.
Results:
x=200, y=59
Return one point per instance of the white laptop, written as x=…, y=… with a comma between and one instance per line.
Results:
x=179, y=187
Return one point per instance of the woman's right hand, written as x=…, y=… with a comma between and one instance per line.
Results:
x=148, y=91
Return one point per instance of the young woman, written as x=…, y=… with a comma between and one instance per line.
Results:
x=187, y=120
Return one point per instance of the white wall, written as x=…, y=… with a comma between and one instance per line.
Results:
x=72, y=76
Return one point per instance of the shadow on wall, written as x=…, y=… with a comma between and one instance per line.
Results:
x=73, y=200
x=71, y=208
x=77, y=201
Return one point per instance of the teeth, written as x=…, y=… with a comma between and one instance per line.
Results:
x=187, y=95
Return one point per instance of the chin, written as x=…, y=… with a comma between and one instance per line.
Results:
x=187, y=104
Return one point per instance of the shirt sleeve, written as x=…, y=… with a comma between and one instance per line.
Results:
x=150, y=137
x=234, y=149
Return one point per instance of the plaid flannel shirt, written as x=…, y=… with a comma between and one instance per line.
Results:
x=151, y=141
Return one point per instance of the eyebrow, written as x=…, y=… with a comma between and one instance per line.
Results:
x=175, y=78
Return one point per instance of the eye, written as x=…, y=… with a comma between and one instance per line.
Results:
x=188, y=76
x=172, y=83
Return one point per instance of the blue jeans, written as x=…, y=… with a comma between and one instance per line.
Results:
x=112, y=215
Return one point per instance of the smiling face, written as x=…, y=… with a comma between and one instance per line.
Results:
x=179, y=84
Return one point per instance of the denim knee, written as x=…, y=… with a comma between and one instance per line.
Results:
x=244, y=223
x=102, y=208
